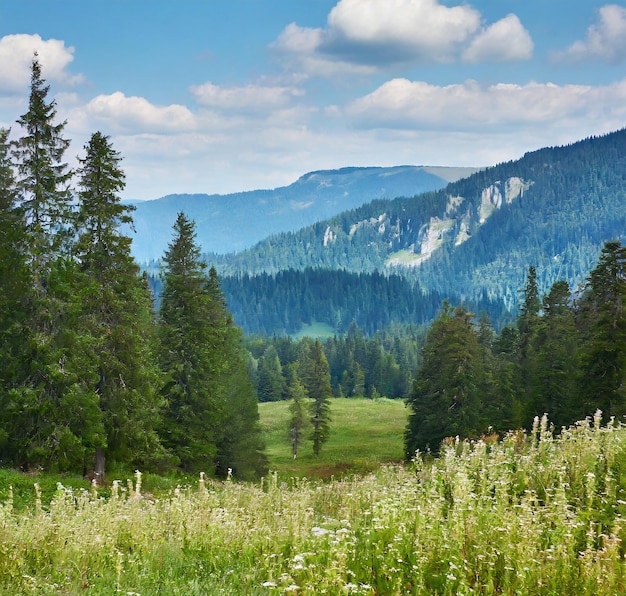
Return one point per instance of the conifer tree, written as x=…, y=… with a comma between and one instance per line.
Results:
x=14, y=287
x=445, y=399
x=117, y=314
x=44, y=177
x=316, y=380
x=194, y=411
x=554, y=356
x=298, y=416
x=48, y=411
x=270, y=383
x=211, y=421
x=604, y=335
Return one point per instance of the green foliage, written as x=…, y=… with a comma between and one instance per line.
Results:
x=316, y=380
x=117, y=315
x=211, y=420
x=293, y=300
x=299, y=421
x=446, y=396
x=604, y=349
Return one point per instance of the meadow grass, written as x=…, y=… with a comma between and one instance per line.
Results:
x=315, y=330
x=532, y=514
x=364, y=433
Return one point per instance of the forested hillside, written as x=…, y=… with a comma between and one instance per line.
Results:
x=233, y=222
x=553, y=208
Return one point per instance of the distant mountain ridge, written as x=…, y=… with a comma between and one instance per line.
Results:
x=235, y=222
x=476, y=238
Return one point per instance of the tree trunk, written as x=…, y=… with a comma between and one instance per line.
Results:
x=99, y=469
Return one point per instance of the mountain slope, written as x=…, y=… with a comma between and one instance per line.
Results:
x=553, y=208
x=227, y=223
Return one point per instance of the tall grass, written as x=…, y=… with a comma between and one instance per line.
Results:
x=532, y=514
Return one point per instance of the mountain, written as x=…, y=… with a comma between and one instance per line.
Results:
x=234, y=222
x=476, y=238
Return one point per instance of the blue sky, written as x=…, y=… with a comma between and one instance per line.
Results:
x=222, y=96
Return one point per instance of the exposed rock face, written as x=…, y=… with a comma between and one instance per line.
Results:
x=492, y=197
x=460, y=219
x=329, y=236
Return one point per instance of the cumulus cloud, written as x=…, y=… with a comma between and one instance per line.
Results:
x=244, y=99
x=405, y=104
x=504, y=41
x=398, y=30
x=367, y=35
x=128, y=114
x=16, y=55
x=605, y=41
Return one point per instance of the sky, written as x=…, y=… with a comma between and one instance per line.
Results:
x=220, y=96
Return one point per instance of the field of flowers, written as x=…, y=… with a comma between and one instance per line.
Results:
x=532, y=514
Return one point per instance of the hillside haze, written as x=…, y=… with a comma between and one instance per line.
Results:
x=234, y=222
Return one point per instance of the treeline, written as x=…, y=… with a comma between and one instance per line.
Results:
x=565, y=357
x=382, y=365
x=89, y=376
x=282, y=303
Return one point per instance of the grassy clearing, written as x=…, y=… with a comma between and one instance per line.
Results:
x=364, y=434
x=315, y=330
x=534, y=515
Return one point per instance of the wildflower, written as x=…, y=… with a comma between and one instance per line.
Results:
x=316, y=531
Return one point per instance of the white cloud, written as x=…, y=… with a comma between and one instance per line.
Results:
x=137, y=114
x=504, y=41
x=246, y=99
x=408, y=29
x=16, y=56
x=605, y=41
x=365, y=36
x=404, y=104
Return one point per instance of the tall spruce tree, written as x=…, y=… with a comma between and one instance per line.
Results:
x=316, y=379
x=445, y=400
x=554, y=357
x=117, y=315
x=43, y=177
x=14, y=287
x=603, y=326
x=48, y=412
x=188, y=339
x=211, y=421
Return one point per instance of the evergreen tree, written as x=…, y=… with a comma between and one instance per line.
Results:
x=44, y=413
x=270, y=383
x=298, y=420
x=316, y=380
x=211, y=420
x=14, y=287
x=445, y=399
x=188, y=357
x=44, y=177
x=505, y=381
x=528, y=324
x=240, y=446
x=604, y=331
x=555, y=359
x=117, y=314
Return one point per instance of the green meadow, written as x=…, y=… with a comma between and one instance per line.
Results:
x=364, y=434
x=531, y=514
